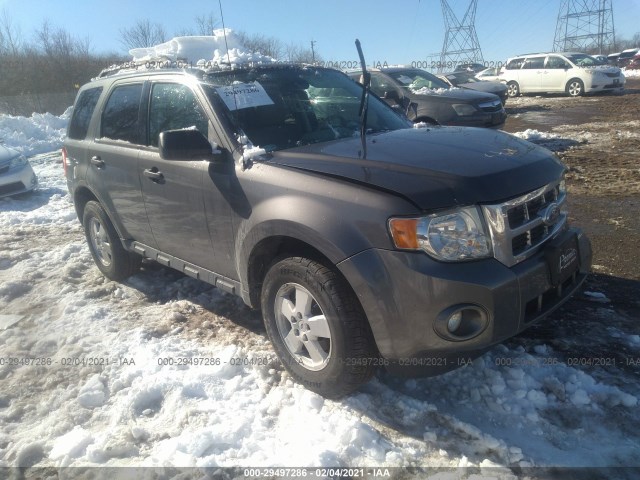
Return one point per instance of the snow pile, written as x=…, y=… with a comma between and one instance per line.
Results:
x=631, y=73
x=40, y=133
x=201, y=49
x=162, y=370
x=433, y=91
x=552, y=141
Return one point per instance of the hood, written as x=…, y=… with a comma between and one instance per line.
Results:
x=453, y=94
x=488, y=87
x=435, y=167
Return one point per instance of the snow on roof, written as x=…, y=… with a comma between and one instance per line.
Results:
x=192, y=49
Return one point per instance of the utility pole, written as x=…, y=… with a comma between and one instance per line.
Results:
x=460, y=41
x=313, y=52
x=585, y=25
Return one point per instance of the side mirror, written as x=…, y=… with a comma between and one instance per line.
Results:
x=184, y=145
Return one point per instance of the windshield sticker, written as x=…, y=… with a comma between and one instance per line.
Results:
x=404, y=79
x=244, y=95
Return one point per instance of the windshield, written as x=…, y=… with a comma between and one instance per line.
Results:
x=418, y=81
x=286, y=107
x=584, y=60
x=461, y=77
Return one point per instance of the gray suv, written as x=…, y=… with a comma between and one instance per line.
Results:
x=363, y=245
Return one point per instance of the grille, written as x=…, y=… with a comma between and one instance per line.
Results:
x=613, y=75
x=519, y=227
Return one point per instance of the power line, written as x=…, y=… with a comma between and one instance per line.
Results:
x=460, y=40
x=585, y=25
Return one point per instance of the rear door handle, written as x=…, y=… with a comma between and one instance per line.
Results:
x=154, y=175
x=97, y=162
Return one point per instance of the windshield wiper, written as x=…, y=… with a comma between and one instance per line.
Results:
x=364, y=101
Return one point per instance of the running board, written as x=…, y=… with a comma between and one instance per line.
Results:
x=199, y=273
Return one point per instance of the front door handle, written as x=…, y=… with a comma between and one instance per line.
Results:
x=97, y=162
x=154, y=175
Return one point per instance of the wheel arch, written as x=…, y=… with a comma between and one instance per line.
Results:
x=271, y=249
x=81, y=197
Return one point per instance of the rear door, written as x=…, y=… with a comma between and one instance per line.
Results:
x=531, y=73
x=113, y=157
x=179, y=195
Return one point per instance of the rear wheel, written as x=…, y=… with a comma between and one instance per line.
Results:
x=575, y=87
x=317, y=327
x=105, y=246
x=513, y=89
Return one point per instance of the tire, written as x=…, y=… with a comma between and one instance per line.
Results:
x=301, y=297
x=575, y=87
x=513, y=89
x=106, y=249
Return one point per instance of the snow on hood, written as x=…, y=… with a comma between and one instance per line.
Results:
x=194, y=49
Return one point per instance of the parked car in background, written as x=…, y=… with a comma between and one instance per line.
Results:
x=634, y=63
x=470, y=67
x=612, y=59
x=489, y=74
x=602, y=59
x=468, y=80
x=423, y=97
x=626, y=56
x=571, y=72
x=16, y=174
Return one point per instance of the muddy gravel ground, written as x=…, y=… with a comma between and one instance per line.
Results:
x=598, y=138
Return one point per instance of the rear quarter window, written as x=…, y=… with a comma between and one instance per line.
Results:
x=82, y=113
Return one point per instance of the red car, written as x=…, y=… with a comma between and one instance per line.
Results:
x=634, y=63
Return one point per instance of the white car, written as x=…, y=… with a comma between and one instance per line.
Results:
x=489, y=74
x=570, y=72
x=16, y=174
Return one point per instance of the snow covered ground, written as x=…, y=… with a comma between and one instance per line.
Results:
x=162, y=370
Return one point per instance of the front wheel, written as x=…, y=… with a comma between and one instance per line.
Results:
x=317, y=327
x=105, y=246
x=575, y=88
x=513, y=89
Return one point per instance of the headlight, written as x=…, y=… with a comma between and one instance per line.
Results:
x=464, y=109
x=18, y=162
x=451, y=237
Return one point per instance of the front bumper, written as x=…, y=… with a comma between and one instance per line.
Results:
x=480, y=119
x=605, y=84
x=404, y=294
x=18, y=180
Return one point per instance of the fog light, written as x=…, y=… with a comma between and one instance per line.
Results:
x=454, y=322
x=461, y=322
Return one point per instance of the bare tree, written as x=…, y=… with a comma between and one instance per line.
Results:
x=257, y=43
x=205, y=24
x=10, y=36
x=297, y=54
x=142, y=34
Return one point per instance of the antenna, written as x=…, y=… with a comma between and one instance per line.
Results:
x=460, y=41
x=224, y=32
x=585, y=25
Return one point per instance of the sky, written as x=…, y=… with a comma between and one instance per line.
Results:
x=392, y=32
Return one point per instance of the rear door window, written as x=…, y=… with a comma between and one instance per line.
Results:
x=120, y=118
x=174, y=106
x=82, y=113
